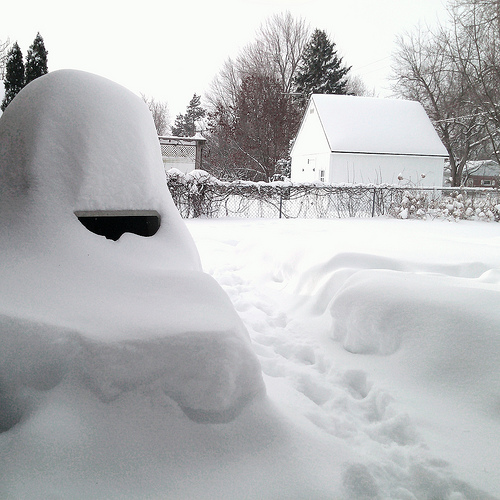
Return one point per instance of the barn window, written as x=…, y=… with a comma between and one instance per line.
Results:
x=113, y=223
x=322, y=175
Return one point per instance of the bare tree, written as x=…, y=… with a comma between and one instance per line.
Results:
x=237, y=145
x=4, y=54
x=357, y=86
x=283, y=39
x=475, y=45
x=224, y=87
x=159, y=111
x=255, y=136
x=455, y=73
x=275, y=53
x=425, y=70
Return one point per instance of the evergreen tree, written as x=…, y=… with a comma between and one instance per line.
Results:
x=178, y=127
x=321, y=71
x=36, y=60
x=14, y=75
x=185, y=124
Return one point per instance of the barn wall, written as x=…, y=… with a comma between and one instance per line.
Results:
x=309, y=168
x=311, y=152
x=311, y=138
x=311, y=157
x=385, y=169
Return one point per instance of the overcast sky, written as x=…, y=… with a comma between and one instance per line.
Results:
x=171, y=50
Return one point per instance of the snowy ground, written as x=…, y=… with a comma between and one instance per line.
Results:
x=381, y=334
x=379, y=344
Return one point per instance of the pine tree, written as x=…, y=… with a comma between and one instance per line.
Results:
x=14, y=75
x=321, y=70
x=194, y=113
x=178, y=127
x=185, y=125
x=36, y=60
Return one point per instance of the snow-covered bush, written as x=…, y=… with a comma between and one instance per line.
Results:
x=413, y=204
x=470, y=205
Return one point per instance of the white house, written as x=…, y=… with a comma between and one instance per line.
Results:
x=350, y=139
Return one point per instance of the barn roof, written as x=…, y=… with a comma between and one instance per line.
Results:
x=372, y=125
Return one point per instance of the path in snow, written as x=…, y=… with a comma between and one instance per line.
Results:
x=302, y=372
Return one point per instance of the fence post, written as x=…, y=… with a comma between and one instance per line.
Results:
x=281, y=201
x=373, y=202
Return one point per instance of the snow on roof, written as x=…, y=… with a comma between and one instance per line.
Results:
x=373, y=125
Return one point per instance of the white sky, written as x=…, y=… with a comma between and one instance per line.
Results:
x=171, y=50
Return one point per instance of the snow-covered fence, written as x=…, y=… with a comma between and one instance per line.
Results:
x=198, y=194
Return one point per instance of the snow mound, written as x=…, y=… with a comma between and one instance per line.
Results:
x=441, y=328
x=74, y=139
x=433, y=319
x=108, y=316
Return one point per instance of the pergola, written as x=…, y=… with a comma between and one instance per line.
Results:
x=184, y=153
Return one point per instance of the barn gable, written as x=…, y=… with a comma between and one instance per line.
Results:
x=361, y=139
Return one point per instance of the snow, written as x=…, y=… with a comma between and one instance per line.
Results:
x=112, y=316
x=349, y=359
x=381, y=333
x=375, y=125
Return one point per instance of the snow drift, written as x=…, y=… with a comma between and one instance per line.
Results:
x=383, y=333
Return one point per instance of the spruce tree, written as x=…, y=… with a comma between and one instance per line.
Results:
x=178, y=126
x=14, y=75
x=185, y=125
x=321, y=70
x=194, y=113
x=36, y=60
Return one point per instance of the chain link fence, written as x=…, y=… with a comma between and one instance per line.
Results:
x=198, y=194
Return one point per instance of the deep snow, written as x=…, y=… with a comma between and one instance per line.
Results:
x=128, y=372
x=413, y=413
x=381, y=333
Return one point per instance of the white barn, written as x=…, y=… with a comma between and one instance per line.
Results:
x=364, y=140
